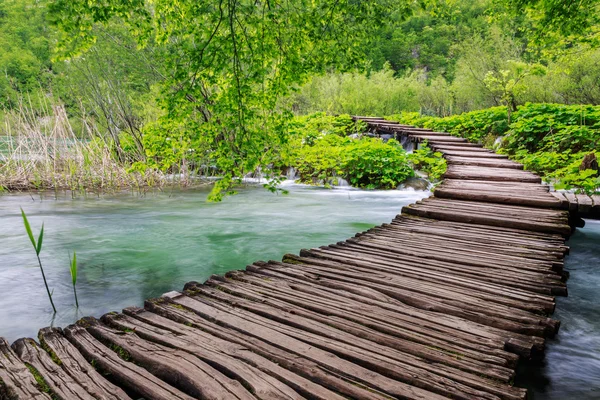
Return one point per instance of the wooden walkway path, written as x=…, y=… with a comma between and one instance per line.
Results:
x=440, y=303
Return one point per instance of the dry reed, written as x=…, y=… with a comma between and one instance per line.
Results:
x=41, y=151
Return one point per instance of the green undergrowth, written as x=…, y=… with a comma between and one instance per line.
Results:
x=548, y=139
x=325, y=149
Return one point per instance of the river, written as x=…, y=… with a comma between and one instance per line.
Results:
x=571, y=369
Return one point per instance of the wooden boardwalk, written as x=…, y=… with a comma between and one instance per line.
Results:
x=440, y=303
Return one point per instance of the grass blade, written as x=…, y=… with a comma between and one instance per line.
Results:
x=28, y=229
x=74, y=277
x=38, y=249
x=74, y=269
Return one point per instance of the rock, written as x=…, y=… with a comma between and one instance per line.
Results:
x=415, y=183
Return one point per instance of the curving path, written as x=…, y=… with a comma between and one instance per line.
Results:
x=440, y=303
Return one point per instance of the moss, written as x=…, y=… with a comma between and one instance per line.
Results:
x=121, y=352
x=291, y=261
x=48, y=350
x=41, y=382
x=177, y=306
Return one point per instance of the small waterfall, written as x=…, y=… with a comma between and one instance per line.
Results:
x=407, y=144
x=341, y=182
x=291, y=174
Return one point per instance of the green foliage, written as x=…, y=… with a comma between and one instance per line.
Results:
x=322, y=152
x=365, y=163
x=378, y=93
x=426, y=160
x=228, y=63
x=370, y=163
x=476, y=126
x=549, y=139
x=25, y=41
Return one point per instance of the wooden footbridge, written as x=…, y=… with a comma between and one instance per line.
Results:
x=440, y=303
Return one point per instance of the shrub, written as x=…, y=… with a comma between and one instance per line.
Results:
x=475, y=125
x=322, y=152
x=370, y=163
x=432, y=163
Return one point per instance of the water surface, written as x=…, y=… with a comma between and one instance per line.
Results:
x=571, y=369
x=131, y=248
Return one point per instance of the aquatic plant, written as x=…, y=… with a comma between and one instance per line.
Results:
x=74, y=277
x=37, y=246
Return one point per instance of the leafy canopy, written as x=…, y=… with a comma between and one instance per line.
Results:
x=229, y=61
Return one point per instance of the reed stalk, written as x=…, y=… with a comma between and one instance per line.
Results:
x=37, y=246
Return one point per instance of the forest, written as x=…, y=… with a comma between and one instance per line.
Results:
x=101, y=96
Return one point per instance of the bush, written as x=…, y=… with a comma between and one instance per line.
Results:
x=322, y=151
x=432, y=163
x=370, y=163
x=549, y=139
x=476, y=126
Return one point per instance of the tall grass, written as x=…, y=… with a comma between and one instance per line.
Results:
x=40, y=149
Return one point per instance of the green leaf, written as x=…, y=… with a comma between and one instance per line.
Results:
x=28, y=229
x=38, y=248
x=74, y=268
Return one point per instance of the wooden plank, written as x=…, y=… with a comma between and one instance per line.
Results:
x=573, y=205
x=242, y=296
x=403, y=331
x=16, y=381
x=256, y=327
x=487, y=220
x=289, y=360
x=596, y=207
x=400, y=377
x=264, y=377
x=127, y=374
x=76, y=366
x=483, y=162
x=60, y=383
x=180, y=369
x=584, y=204
x=496, y=197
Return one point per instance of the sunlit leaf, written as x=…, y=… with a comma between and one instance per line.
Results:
x=28, y=229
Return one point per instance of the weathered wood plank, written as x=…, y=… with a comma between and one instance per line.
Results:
x=584, y=204
x=16, y=381
x=77, y=367
x=392, y=377
x=352, y=334
x=264, y=377
x=126, y=373
x=60, y=383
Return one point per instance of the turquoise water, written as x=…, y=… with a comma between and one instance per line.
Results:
x=571, y=369
x=131, y=248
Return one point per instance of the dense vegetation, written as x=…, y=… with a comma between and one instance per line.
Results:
x=120, y=93
x=550, y=139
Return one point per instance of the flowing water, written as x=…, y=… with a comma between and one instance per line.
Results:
x=130, y=248
x=571, y=369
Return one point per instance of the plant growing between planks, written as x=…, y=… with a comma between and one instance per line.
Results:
x=37, y=246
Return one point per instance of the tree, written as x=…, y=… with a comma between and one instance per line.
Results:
x=507, y=84
x=229, y=61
